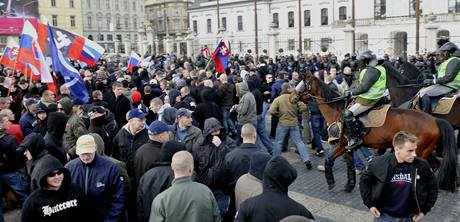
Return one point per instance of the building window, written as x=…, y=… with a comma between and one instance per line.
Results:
x=195, y=26
x=240, y=23
x=306, y=18
x=72, y=21
x=126, y=23
x=224, y=22
x=98, y=4
x=135, y=37
x=307, y=44
x=90, y=22
x=291, y=44
x=413, y=8
x=325, y=44
x=117, y=4
x=208, y=25
x=53, y=3
x=324, y=17
x=88, y=3
x=343, y=13
x=71, y=5
x=119, y=38
x=276, y=20
x=100, y=37
x=118, y=23
x=134, y=5
x=54, y=20
x=90, y=37
x=290, y=19
x=126, y=4
x=109, y=37
x=380, y=8
x=135, y=22
x=108, y=22
x=454, y=6
x=107, y=4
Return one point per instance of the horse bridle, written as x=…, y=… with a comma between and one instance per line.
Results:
x=307, y=82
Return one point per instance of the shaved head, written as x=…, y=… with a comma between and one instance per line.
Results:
x=182, y=164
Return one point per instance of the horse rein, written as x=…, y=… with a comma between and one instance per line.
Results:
x=308, y=88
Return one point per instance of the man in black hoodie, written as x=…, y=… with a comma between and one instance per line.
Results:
x=56, y=123
x=56, y=199
x=274, y=203
x=157, y=179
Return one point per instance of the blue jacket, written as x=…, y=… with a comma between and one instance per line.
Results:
x=276, y=88
x=103, y=185
x=26, y=122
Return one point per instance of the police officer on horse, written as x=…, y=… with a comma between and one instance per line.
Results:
x=448, y=79
x=371, y=89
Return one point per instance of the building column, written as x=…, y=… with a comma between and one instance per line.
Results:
x=168, y=44
x=117, y=43
x=178, y=41
x=272, y=41
x=189, y=40
x=155, y=46
x=141, y=41
x=348, y=39
x=431, y=34
x=127, y=47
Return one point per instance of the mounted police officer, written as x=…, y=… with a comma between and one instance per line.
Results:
x=371, y=88
x=448, y=79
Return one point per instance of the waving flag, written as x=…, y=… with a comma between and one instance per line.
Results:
x=134, y=61
x=71, y=45
x=30, y=54
x=71, y=76
x=220, y=56
x=9, y=56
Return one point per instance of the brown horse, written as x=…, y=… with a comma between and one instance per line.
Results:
x=431, y=133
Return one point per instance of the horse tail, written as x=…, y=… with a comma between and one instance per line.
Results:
x=447, y=172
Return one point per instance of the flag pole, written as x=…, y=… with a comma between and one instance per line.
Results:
x=207, y=64
x=12, y=74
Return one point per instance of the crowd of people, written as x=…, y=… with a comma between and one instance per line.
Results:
x=171, y=141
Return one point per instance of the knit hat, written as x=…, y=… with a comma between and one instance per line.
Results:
x=136, y=97
x=85, y=144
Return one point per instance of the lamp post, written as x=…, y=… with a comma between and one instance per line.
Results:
x=23, y=10
x=256, y=32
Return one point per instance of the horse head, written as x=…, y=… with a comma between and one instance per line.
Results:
x=309, y=89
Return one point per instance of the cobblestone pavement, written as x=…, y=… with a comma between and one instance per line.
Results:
x=310, y=189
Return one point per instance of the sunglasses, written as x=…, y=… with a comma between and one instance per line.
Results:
x=52, y=174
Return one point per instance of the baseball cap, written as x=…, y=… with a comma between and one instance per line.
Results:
x=31, y=101
x=85, y=144
x=136, y=113
x=183, y=112
x=157, y=127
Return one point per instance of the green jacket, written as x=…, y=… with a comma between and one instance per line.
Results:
x=287, y=111
x=187, y=201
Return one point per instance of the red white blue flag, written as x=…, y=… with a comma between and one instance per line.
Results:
x=220, y=56
x=30, y=54
x=134, y=61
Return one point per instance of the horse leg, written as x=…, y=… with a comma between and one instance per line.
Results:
x=351, y=174
x=329, y=162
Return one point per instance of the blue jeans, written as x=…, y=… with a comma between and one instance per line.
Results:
x=294, y=133
x=317, y=124
x=18, y=183
x=387, y=218
x=223, y=201
x=228, y=124
x=262, y=137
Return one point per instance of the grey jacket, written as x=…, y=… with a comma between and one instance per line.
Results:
x=246, y=108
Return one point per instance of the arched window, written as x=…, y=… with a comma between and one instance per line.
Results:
x=324, y=17
x=343, y=13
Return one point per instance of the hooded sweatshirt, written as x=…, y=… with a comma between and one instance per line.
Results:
x=53, y=138
x=35, y=144
x=68, y=203
x=246, y=109
x=274, y=203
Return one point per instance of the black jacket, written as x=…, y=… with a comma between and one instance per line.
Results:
x=257, y=95
x=209, y=159
x=56, y=123
x=10, y=160
x=274, y=203
x=380, y=171
x=66, y=204
x=156, y=180
x=121, y=106
x=207, y=109
x=237, y=162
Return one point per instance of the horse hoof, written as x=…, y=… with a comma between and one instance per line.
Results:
x=331, y=186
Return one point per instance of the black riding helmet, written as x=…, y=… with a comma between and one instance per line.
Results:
x=448, y=46
x=368, y=58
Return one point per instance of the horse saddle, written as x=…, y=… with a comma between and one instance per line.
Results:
x=375, y=117
x=444, y=105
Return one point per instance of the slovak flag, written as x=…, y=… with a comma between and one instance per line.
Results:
x=30, y=54
x=9, y=56
x=220, y=56
x=134, y=61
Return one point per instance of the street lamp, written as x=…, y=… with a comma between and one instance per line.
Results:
x=23, y=10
